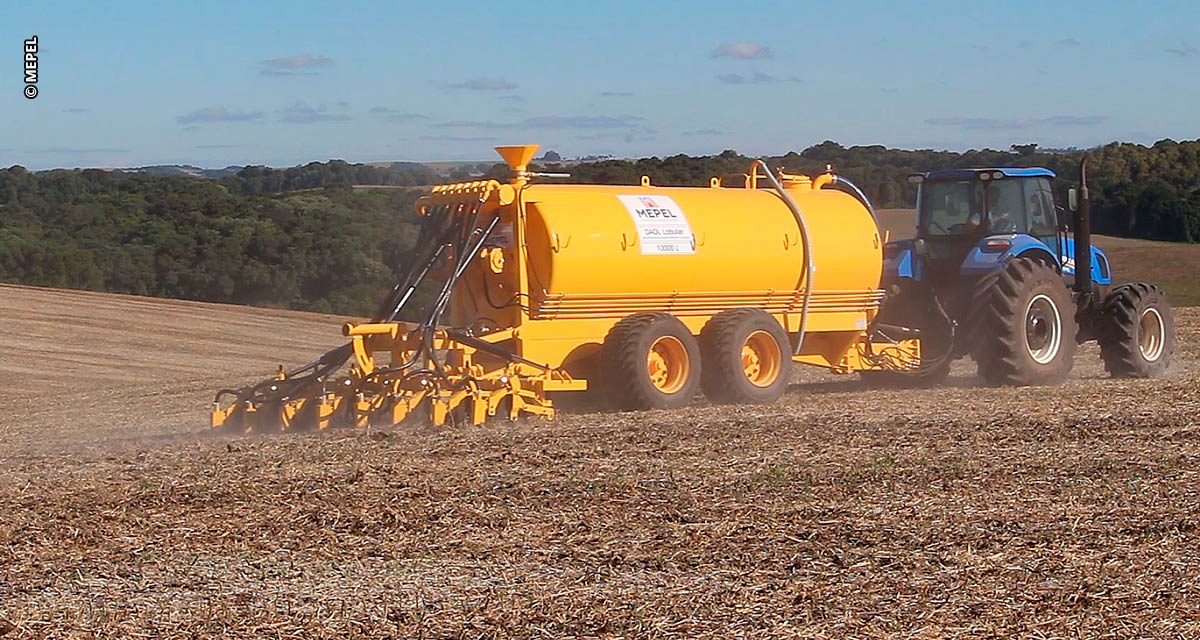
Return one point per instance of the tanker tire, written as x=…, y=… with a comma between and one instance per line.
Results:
x=724, y=378
x=624, y=362
x=1137, y=332
x=1025, y=327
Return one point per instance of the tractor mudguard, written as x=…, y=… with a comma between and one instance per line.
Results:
x=993, y=252
x=1101, y=273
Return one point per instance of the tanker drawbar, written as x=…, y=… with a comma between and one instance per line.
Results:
x=646, y=296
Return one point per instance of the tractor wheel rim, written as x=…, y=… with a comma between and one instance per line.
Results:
x=1151, y=335
x=1043, y=329
x=667, y=364
x=761, y=359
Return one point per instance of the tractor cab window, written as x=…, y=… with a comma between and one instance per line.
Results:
x=950, y=208
x=1043, y=219
x=1006, y=206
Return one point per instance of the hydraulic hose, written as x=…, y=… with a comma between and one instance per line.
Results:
x=487, y=347
x=807, y=276
x=475, y=239
x=857, y=193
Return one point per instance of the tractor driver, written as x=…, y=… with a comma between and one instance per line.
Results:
x=1000, y=207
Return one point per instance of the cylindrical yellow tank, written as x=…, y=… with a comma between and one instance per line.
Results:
x=696, y=249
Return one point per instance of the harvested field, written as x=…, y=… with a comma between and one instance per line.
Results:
x=962, y=511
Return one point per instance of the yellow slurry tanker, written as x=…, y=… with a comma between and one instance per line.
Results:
x=645, y=294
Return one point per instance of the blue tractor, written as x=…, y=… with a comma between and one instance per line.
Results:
x=994, y=273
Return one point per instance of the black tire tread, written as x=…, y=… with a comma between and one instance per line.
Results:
x=722, y=334
x=974, y=328
x=623, y=359
x=998, y=334
x=1118, y=335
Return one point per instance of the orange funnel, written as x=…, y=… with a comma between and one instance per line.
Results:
x=518, y=157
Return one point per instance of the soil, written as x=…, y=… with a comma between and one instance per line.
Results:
x=961, y=511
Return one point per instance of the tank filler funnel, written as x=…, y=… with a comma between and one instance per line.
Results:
x=518, y=157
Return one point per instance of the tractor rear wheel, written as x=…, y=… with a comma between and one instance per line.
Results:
x=1137, y=331
x=746, y=357
x=651, y=361
x=1025, y=327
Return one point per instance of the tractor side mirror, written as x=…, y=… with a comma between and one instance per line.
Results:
x=1072, y=200
x=919, y=247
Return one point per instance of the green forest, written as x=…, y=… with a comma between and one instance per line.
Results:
x=303, y=238
x=1137, y=191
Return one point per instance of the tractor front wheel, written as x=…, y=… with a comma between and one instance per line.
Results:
x=1137, y=331
x=1025, y=327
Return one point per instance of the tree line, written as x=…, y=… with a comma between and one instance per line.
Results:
x=254, y=180
x=302, y=238
x=331, y=250
x=1137, y=191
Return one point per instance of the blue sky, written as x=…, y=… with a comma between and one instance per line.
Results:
x=282, y=83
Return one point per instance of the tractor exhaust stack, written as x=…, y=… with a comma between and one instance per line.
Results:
x=1083, y=235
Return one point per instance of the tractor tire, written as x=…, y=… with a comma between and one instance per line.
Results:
x=975, y=326
x=651, y=361
x=746, y=357
x=1024, y=328
x=1137, y=331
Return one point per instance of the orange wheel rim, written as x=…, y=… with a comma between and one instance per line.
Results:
x=761, y=359
x=667, y=364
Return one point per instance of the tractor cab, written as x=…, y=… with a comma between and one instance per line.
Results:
x=964, y=211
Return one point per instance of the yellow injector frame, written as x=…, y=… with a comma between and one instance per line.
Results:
x=536, y=284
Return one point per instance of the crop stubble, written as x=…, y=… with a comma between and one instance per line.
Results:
x=966, y=511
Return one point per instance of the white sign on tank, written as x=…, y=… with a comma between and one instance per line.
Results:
x=662, y=226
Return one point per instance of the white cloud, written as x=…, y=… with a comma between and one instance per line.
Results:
x=485, y=84
x=623, y=122
x=293, y=66
x=743, y=51
x=397, y=115
x=302, y=113
x=217, y=114
x=1184, y=50
x=754, y=78
x=297, y=62
x=1007, y=124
